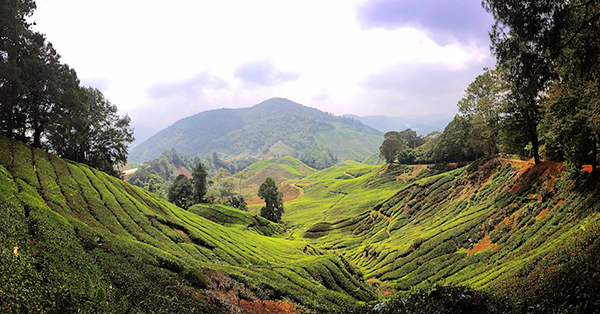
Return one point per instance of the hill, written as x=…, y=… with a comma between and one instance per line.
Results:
x=498, y=225
x=286, y=171
x=77, y=240
x=275, y=127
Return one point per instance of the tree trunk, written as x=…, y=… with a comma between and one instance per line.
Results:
x=595, y=156
x=535, y=148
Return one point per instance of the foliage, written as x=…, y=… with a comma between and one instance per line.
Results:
x=92, y=243
x=42, y=104
x=181, y=192
x=458, y=142
x=199, y=177
x=400, y=146
x=273, y=208
x=547, y=54
x=157, y=175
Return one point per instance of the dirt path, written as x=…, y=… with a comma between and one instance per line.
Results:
x=389, y=219
x=346, y=173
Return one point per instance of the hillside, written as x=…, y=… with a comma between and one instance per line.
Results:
x=286, y=171
x=356, y=234
x=275, y=127
x=75, y=239
x=497, y=225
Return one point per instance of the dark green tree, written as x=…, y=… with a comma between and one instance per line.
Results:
x=91, y=131
x=273, y=208
x=14, y=29
x=572, y=120
x=457, y=142
x=523, y=40
x=181, y=192
x=391, y=146
x=199, y=175
x=482, y=104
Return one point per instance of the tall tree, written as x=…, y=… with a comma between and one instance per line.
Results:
x=523, y=39
x=391, y=146
x=181, y=192
x=482, y=104
x=199, y=175
x=273, y=208
x=13, y=30
x=90, y=131
x=572, y=122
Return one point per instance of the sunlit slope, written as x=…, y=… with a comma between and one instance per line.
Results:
x=75, y=238
x=482, y=225
x=345, y=191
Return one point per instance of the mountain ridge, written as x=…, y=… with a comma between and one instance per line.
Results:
x=254, y=130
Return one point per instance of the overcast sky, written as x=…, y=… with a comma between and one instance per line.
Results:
x=160, y=61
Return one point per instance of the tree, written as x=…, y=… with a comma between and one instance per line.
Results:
x=572, y=123
x=523, y=38
x=199, y=175
x=391, y=146
x=482, y=104
x=457, y=142
x=91, y=131
x=273, y=208
x=181, y=192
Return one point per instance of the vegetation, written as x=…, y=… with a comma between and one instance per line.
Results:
x=182, y=192
x=273, y=208
x=42, y=103
x=199, y=176
x=274, y=128
x=76, y=239
x=547, y=58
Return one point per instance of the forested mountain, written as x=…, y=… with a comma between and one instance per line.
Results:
x=275, y=127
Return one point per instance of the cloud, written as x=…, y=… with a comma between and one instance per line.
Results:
x=410, y=89
x=190, y=88
x=264, y=72
x=444, y=21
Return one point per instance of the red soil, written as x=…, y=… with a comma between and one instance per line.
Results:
x=184, y=171
x=482, y=245
x=543, y=213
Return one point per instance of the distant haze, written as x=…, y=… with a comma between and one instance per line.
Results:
x=422, y=125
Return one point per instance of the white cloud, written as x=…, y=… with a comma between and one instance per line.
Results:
x=161, y=61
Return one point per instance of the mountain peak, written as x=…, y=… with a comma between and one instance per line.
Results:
x=258, y=130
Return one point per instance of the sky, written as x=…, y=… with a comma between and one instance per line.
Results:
x=160, y=61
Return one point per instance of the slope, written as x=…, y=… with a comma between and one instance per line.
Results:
x=275, y=125
x=76, y=239
x=493, y=225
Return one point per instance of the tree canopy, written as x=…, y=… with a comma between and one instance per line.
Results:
x=43, y=104
x=273, y=198
x=181, y=192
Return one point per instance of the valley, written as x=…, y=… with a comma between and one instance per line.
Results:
x=352, y=234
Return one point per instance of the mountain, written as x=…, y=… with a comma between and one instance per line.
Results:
x=275, y=127
x=422, y=125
